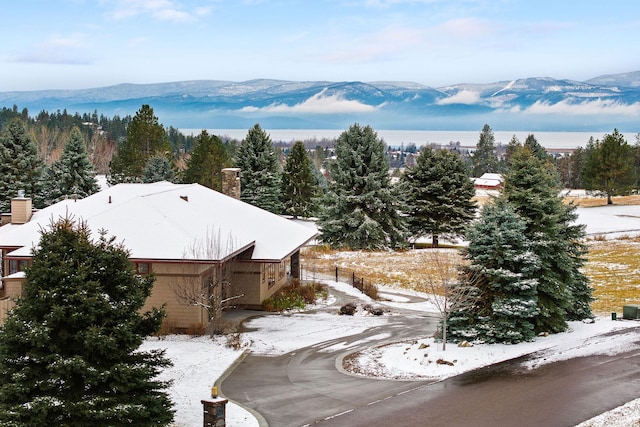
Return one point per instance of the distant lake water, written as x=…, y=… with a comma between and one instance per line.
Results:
x=550, y=140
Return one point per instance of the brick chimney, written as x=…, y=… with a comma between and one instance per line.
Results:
x=20, y=208
x=231, y=182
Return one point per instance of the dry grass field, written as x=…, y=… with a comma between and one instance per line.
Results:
x=613, y=266
x=588, y=202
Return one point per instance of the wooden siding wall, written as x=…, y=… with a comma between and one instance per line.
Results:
x=249, y=278
x=11, y=289
x=252, y=280
x=169, y=278
x=6, y=304
x=246, y=279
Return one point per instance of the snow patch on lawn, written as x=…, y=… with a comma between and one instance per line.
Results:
x=197, y=363
x=626, y=415
x=425, y=358
x=276, y=335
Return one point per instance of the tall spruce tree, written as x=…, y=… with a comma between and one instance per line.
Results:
x=532, y=187
x=538, y=150
x=146, y=138
x=299, y=183
x=260, y=177
x=72, y=174
x=502, y=271
x=20, y=167
x=359, y=208
x=208, y=158
x=513, y=145
x=485, y=159
x=158, y=168
x=609, y=166
x=437, y=195
x=69, y=349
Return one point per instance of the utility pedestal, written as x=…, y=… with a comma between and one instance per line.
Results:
x=214, y=412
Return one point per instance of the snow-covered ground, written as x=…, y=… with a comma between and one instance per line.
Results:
x=611, y=221
x=199, y=362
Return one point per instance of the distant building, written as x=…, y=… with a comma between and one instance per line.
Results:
x=489, y=181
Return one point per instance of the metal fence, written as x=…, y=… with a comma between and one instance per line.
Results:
x=345, y=275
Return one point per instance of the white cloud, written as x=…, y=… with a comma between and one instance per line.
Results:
x=319, y=103
x=161, y=10
x=389, y=3
x=587, y=108
x=467, y=28
x=383, y=44
x=58, y=49
x=468, y=97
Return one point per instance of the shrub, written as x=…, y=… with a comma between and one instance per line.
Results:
x=349, y=309
x=168, y=327
x=234, y=341
x=294, y=295
x=196, y=330
x=371, y=291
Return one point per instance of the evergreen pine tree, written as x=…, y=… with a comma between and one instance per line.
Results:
x=208, y=158
x=359, y=208
x=513, y=146
x=502, y=269
x=485, y=159
x=72, y=174
x=20, y=167
x=69, y=349
x=299, y=184
x=538, y=150
x=532, y=187
x=609, y=166
x=158, y=168
x=575, y=251
x=145, y=138
x=437, y=195
x=260, y=177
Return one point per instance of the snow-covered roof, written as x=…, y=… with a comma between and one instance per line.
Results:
x=487, y=182
x=492, y=176
x=165, y=221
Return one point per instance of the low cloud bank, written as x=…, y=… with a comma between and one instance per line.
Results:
x=320, y=103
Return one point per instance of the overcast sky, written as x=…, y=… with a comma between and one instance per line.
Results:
x=70, y=44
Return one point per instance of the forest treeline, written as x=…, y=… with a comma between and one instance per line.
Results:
x=104, y=136
x=51, y=130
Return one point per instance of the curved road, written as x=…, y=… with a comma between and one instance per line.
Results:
x=308, y=387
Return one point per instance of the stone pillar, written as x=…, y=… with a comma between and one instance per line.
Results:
x=214, y=412
x=231, y=182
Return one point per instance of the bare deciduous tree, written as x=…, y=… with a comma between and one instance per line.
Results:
x=209, y=282
x=442, y=284
x=101, y=149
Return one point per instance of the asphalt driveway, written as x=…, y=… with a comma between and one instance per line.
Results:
x=308, y=387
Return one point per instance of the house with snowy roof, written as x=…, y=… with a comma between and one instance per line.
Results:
x=187, y=235
x=489, y=181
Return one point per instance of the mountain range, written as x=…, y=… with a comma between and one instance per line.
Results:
x=533, y=104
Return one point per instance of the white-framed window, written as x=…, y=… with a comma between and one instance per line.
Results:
x=143, y=268
x=16, y=265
